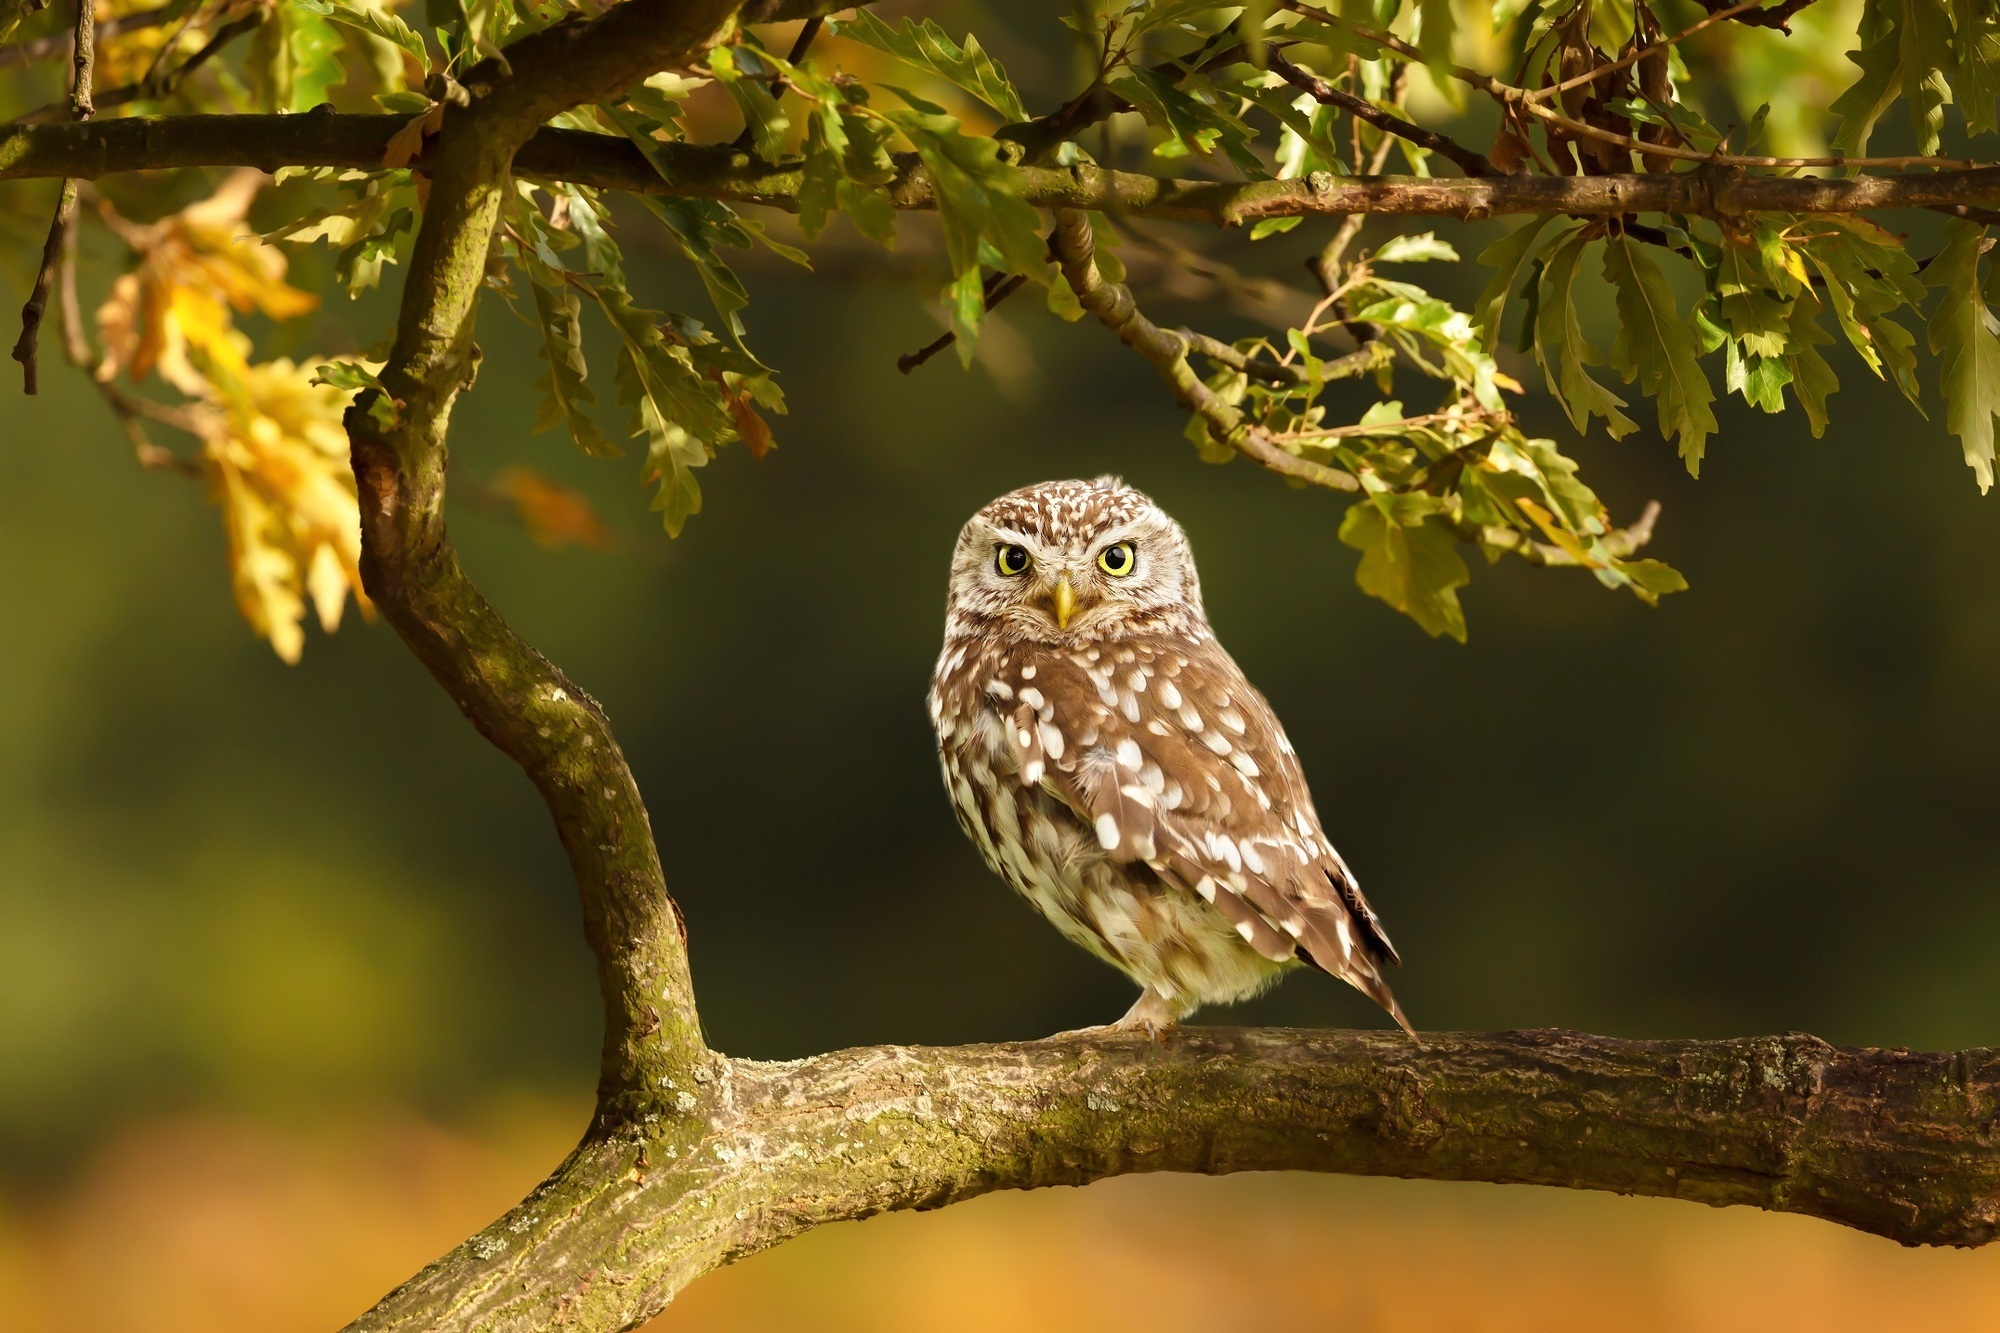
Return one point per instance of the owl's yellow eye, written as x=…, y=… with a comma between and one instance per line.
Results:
x=1011, y=560
x=1117, y=559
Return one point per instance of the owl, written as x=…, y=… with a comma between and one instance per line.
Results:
x=1112, y=764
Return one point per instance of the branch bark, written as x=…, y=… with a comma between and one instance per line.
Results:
x=1898, y=1143
x=320, y=139
x=514, y=696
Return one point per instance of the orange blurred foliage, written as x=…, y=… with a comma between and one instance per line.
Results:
x=219, y=1226
x=554, y=515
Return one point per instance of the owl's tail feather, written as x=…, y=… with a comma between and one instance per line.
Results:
x=1360, y=972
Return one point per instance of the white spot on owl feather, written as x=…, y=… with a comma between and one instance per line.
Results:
x=1107, y=831
x=1129, y=755
x=1169, y=696
x=1033, y=697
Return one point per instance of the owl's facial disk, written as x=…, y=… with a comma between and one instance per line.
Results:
x=1050, y=579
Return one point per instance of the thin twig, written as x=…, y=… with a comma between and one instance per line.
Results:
x=159, y=88
x=1509, y=95
x=781, y=85
x=1777, y=16
x=1362, y=430
x=999, y=286
x=1638, y=53
x=127, y=408
x=1470, y=162
x=28, y=53
x=81, y=107
x=1985, y=217
x=1113, y=305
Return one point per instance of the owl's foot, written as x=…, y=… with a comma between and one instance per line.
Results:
x=1153, y=1012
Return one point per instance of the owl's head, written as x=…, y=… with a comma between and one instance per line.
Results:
x=1073, y=562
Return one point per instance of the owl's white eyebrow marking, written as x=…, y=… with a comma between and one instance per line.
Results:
x=1107, y=831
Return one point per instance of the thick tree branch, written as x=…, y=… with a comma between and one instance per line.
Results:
x=1902, y=1144
x=718, y=172
x=514, y=696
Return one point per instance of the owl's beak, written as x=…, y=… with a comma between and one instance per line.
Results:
x=1064, y=601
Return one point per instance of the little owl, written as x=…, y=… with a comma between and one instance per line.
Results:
x=1113, y=765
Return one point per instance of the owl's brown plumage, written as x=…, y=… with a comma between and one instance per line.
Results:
x=1113, y=765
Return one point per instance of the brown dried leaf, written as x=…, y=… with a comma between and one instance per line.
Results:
x=554, y=515
x=407, y=144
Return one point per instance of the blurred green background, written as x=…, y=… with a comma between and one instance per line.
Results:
x=294, y=899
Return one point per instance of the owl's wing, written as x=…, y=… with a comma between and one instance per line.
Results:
x=1175, y=760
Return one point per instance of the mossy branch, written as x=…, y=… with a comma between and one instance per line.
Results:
x=514, y=696
x=1898, y=1143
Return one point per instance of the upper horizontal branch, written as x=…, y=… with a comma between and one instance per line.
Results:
x=319, y=139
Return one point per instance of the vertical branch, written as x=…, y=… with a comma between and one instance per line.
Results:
x=84, y=60
x=654, y=1054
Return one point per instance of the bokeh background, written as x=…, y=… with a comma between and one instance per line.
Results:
x=293, y=994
